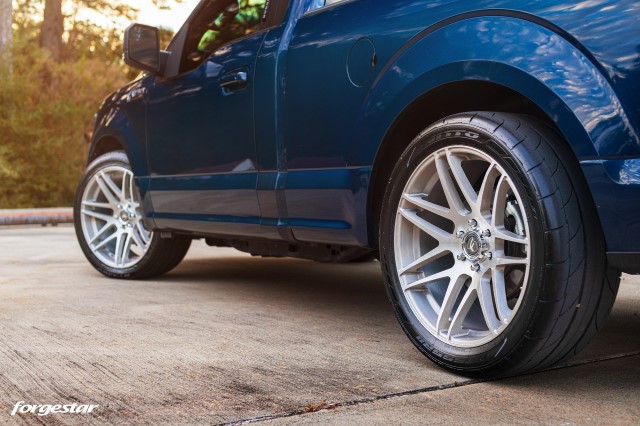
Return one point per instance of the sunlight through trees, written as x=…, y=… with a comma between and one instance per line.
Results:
x=63, y=66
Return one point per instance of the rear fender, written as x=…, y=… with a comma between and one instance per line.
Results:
x=524, y=56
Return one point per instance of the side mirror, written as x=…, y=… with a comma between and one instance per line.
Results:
x=142, y=47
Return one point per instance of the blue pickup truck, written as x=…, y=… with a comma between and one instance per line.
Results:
x=487, y=153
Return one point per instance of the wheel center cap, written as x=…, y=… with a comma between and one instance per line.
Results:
x=473, y=245
x=124, y=216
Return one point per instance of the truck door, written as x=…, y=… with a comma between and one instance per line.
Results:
x=200, y=122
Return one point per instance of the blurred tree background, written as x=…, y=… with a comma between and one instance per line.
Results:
x=55, y=68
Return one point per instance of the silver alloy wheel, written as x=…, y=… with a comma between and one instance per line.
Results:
x=111, y=220
x=461, y=244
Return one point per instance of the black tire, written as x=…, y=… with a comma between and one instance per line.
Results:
x=570, y=288
x=162, y=254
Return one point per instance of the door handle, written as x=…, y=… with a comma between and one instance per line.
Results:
x=234, y=80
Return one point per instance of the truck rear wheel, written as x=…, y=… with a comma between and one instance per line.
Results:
x=491, y=249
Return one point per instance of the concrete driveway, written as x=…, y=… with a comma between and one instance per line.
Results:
x=226, y=337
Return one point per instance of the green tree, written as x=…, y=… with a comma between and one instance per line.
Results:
x=47, y=104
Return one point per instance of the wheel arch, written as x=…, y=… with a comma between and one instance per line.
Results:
x=419, y=114
x=104, y=145
x=115, y=132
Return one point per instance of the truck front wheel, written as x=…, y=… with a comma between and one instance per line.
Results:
x=109, y=227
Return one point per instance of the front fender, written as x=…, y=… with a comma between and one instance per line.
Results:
x=524, y=56
x=116, y=124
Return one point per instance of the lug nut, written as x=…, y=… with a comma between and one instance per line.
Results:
x=473, y=223
x=460, y=234
x=486, y=233
x=462, y=257
x=475, y=267
x=488, y=255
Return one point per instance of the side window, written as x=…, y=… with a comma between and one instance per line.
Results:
x=219, y=22
x=235, y=21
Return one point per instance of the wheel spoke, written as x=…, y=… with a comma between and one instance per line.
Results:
x=503, y=234
x=132, y=192
x=106, y=241
x=485, y=297
x=118, y=249
x=486, y=190
x=450, y=297
x=116, y=192
x=427, y=227
x=107, y=218
x=135, y=234
x=455, y=163
x=499, y=202
x=137, y=250
x=463, y=309
x=122, y=247
x=419, y=201
x=101, y=232
x=450, y=192
x=144, y=234
x=97, y=205
x=510, y=260
x=500, y=295
x=126, y=247
x=432, y=255
x=422, y=282
x=125, y=185
x=105, y=189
